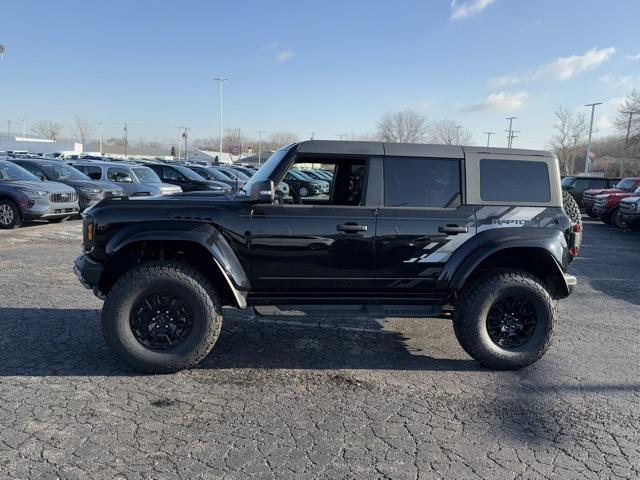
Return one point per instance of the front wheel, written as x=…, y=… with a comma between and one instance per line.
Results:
x=616, y=220
x=162, y=317
x=505, y=319
x=303, y=191
x=9, y=215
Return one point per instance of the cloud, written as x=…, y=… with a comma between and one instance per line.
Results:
x=505, y=81
x=564, y=68
x=284, y=56
x=604, y=124
x=633, y=57
x=503, y=101
x=465, y=9
x=618, y=81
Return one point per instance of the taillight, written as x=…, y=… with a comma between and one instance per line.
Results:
x=577, y=228
x=89, y=233
x=574, y=251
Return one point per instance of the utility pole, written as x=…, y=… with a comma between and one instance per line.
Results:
x=510, y=134
x=126, y=138
x=9, y=127
x=313, y=134
x=488, y=134
x=626, y=141
x=24, y=127
x=586, y=160
x=221, y=80
x=513, y=135
x=101, y=137
x=259, y=132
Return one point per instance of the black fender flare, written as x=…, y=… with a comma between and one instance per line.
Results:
x=203, y=234
x=550, y=242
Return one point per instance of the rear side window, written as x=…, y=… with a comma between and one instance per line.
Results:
x=421, y=182
x=595, y=183
x=514, y=181
x=94, y=173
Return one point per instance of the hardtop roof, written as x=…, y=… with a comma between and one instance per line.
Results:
x=407, y=149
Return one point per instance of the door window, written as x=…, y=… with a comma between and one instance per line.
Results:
x=422, y=182
x=342, y=182
x=172, y=174
x=119, y=175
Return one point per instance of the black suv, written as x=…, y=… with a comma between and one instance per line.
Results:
x=407, y=230
x=186, y=179
x=577, y=185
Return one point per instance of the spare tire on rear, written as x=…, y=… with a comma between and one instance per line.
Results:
x=571, y=208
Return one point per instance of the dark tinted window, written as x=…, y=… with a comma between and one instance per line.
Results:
x=598, y=183
x=94, y=173
x=514, y=181
x=421, y=182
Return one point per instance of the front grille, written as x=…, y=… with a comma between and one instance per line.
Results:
x=63, y=197
x=108, y=194
x=601, y=202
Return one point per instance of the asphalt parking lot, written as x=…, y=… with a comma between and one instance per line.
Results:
x=316, y=397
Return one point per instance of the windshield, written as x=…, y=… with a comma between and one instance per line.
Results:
x=187, y=172
x=568, y=181
x=626, y=184
x=266, y=170
x=237, y=174
x=146, y=175
x=10, y=172
x=301, y=175
x=216, y=174
x=63, y=172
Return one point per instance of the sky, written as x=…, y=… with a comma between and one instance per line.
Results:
x=330, y=67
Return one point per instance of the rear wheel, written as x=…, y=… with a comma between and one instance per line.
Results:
x=505, y=319
x=162, y=317
x=9, y=215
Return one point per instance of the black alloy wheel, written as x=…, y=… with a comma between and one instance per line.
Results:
x=511, y=322
x=161, y=322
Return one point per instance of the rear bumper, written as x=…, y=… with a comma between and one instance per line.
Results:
x=571, y=282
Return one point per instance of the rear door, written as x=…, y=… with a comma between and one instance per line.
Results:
x=422, y=220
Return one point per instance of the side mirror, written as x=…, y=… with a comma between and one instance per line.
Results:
x=263, y=192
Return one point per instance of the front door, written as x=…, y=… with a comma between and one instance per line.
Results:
x=421, y=223
x=320, y=242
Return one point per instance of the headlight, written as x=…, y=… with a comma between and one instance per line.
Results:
x=89, y=189
x=34, y=193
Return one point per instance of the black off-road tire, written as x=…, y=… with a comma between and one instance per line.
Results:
x=571, y=208
x=17, y=216
x=609, y=218
x=616, y=220
x=474, y=304
x=591, y=213
x=162, y=277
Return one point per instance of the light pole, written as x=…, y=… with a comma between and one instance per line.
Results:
x=586, y=160
x=221, y=80
x=489, y=137
x=126, y=137
x=259, y=132
x=510, y=134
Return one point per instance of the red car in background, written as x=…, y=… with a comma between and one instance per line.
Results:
x=607, y=204
x=626, y=185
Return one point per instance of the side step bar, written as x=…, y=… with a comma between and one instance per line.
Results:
x=410, y=311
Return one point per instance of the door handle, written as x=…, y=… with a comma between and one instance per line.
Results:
x=351, y=228
x=453, y=229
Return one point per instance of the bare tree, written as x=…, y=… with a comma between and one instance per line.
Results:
x=405, y=126
x=84, y=130
x=571, y=129
x=276, y=140
x=449, y=132
x=630, y=104
x=48, y=129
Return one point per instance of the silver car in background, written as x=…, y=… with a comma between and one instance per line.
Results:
x=135, y=180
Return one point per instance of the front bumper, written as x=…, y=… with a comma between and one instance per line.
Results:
x=602, y=212
x=43, y=208
x=88, y=272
